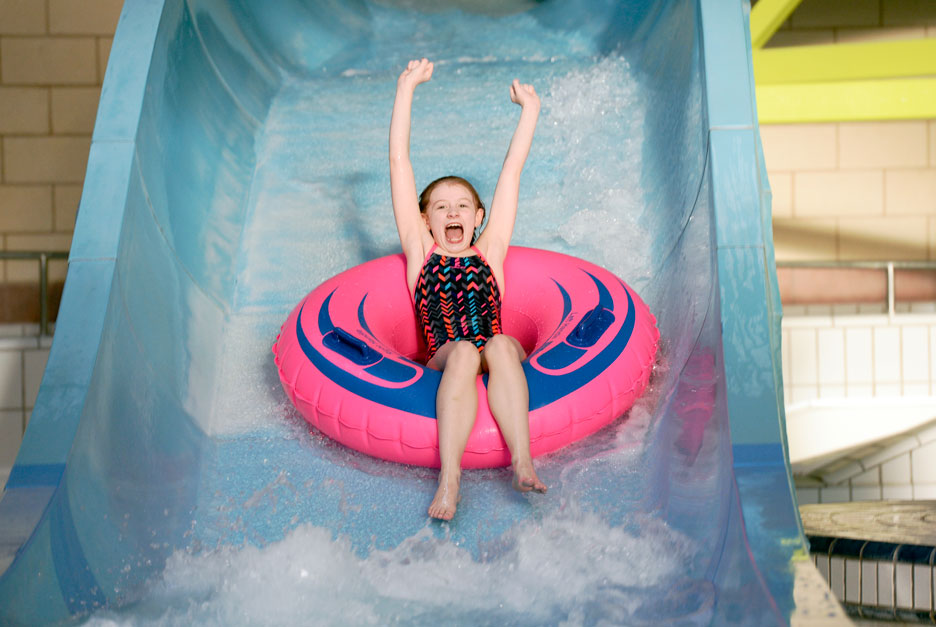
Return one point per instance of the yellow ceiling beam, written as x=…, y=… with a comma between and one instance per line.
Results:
x=881, y=99
x=844, y=62
x=766, y=17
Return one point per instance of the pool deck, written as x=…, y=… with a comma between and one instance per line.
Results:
x=892, y=522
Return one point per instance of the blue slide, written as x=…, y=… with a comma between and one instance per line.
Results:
x=239, y=159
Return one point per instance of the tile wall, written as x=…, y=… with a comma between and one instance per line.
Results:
x=52, y=59
x=849, y=352
x=23, y=356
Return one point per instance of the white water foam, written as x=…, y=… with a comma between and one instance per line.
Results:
x=569, y=568
x=599, y=116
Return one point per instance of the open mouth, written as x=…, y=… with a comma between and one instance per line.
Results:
x=454, y=233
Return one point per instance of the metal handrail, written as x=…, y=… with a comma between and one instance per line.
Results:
x=43, y=257
x=889, y=266
x=863, y=265
x=918, y=610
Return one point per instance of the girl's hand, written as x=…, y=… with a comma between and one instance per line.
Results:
x=416, y=73
x=523, y=95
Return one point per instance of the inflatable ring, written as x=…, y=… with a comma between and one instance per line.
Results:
x=349, y=358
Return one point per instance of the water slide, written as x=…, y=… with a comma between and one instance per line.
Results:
x=239, y=159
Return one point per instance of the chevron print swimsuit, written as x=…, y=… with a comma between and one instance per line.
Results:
x=457, y=298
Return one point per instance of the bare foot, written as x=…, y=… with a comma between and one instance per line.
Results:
x=525, y=479
x=445, y=500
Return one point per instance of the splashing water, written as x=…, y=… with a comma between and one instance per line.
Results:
x=293, y=529
x=571, y=566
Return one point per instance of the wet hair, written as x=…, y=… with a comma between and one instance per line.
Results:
x=452, y=180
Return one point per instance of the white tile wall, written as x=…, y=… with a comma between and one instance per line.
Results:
x=924, y=492
x=870, y=477
x=11, y=433
x=914, y=348
x=923, y=463
x=859, y=390
x=840, y=352
x=932, y=355
x=832, y=391
x=804, y=353
x=11, y=379
x=34, y=363
x=807, y=496
x=831, y=356
x=897, y=492
x=856, y=355
x=887, y=358
x=23, y=357
x=916, y=389
x=804, y=393
x=835, y=494
x=888, y=389
x=859, y=359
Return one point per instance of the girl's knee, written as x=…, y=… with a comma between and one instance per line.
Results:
x=503, y=347
x=464, y=354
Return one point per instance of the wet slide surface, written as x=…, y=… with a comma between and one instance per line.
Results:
x=239, y=159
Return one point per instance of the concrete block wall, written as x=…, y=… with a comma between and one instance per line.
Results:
x=52, y=59
x=854, y=190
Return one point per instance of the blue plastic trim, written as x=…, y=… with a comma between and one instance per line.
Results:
x=547, y=388
x=79, y=587
x=350, y=347
x=751, y=455
x=560, y=356
x=392, y=371
x=417, y=398
x=591, y=328
x=32, y=475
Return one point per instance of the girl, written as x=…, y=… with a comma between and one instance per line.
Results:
x=457, y=285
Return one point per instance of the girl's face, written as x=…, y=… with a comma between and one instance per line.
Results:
x=452, y=217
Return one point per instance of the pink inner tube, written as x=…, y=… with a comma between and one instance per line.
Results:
x=350, y=358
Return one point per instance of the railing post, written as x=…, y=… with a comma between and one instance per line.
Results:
x=894, y=582
x=43, y=294
x=43, y=257
x=890, y=291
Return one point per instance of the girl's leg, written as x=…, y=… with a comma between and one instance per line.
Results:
x=456, y=410
x=509, y=399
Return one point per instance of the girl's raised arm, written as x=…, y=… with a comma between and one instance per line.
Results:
x=496, y=236
x=410, y=225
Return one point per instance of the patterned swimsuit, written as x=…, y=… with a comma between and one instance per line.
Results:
x=457, y=298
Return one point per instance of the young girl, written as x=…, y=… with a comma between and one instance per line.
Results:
x=436, y=231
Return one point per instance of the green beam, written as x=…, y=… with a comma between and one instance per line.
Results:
x=766, y=17
x=844, y=62
x=894, y=99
